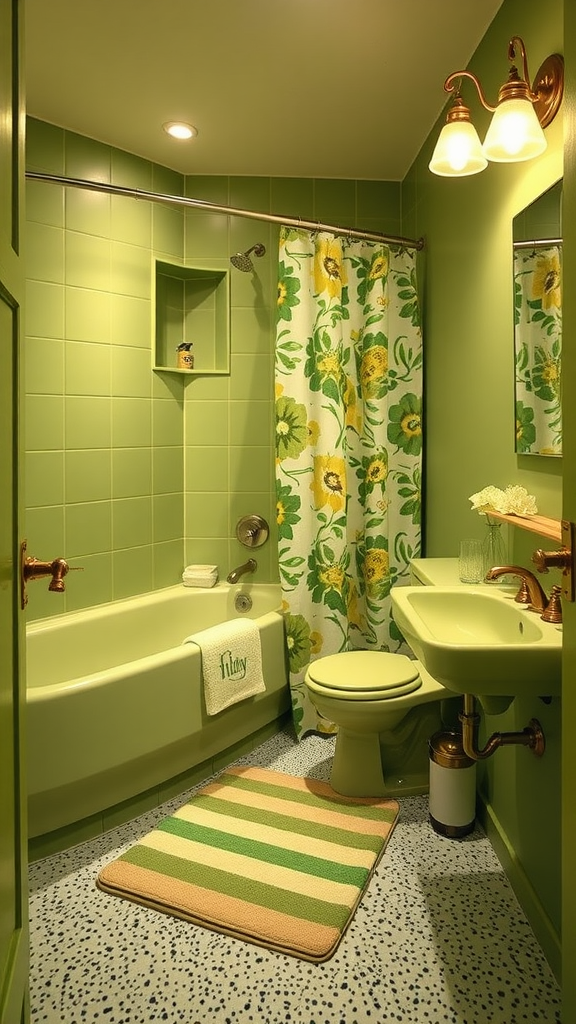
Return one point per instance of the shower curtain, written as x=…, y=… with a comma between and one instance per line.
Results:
x=348, y=446
x=538, y=348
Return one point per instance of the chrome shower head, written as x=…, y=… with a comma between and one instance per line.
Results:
x=242, y=261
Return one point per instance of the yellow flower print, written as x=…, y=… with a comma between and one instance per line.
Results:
x=374, y=365
x=328, y=364
x=350, y=403
x=316, y=641
x=329, y=483
x=329, y=272
x=378, y=268
x=313, y=432
x=332, y=577
x=376, y=566
x=411, y=425
x=282, y=293
x=278, y=388
x=546, y=281
x=355, y=617
x=377, y=470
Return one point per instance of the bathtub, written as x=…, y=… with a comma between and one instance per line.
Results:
x=115, y=701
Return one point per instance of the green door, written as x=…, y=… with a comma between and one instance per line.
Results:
x=13, y=921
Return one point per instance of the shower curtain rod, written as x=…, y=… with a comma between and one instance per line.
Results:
x=200, y=204
x=536, y=242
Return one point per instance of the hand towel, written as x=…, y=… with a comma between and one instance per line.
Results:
x=231, y=663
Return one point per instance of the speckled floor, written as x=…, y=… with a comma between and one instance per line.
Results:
x=439, y=938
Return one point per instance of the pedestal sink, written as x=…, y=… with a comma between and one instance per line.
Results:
x=478, y=640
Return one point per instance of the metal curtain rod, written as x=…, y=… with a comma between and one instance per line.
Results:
x=200, y=204
x=537, y=242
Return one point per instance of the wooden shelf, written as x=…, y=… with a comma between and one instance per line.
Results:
x=542, y=525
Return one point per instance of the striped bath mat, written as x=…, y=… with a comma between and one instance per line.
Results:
x=262, y=856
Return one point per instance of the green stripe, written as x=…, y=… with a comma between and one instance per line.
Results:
x=384, y=814
x=312, y=829
x=259, y=893
x=303, y=862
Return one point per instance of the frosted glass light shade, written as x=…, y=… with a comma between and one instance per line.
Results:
x=514, y=133
x=458, y=151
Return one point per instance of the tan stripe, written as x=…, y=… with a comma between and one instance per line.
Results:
x=306, y=785
x=247, y=867
x=215, y=910
x=324, y=816
x=277, y=837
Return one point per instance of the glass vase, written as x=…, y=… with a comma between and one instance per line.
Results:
x=493, y=548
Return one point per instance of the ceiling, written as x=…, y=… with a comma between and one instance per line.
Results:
x=292, y=88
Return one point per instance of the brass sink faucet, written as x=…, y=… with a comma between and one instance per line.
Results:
x=531, y=592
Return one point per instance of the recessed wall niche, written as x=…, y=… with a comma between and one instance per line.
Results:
x=192, y=306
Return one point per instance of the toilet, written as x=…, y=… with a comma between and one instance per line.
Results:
x=386, y=707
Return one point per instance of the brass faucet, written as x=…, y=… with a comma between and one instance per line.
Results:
x=249, y=566
x=530, y=591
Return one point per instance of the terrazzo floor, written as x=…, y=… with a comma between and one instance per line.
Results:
x=439, y=938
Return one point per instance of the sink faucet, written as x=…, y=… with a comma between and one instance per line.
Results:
x=530, y=592
x=249, y=566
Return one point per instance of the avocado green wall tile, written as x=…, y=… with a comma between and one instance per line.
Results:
x=131, y=522
x=131, y=221
x=167, y=470
x=250, y=423
x=292, y=197
x=210, y=188
x=87, y=368
x=131, y=171
x=131, y=472
x=44, y=531
x=206, y=236
x=45, y=253
x=87, y=261
x=335, y=201
x=207, y=389
x=87, y=212
x=131, y=372
x=169, y=386
x=86, y=158
x=44, y=428
x=208, y=551
x=133, y=572
x=130, y=270
x=206, y=516
x=250, y=468
x=87, y=315
x=168, y=230
x=168, y=562
x=131, y=423
x=130, y=321
x=43, y=603
x=88, y=528
x=379, y=200
x=250, y=193
x=44, y=316
x=44, y=366
x=167, y=422
x=251, y=378
x=44, y=475
x=258, y=502
x=250, y=332
x=87, y=475
x=166, y=181
x=87, y=422
x=44, y=147
x=206, y=422
x=44, y=203
x=206, y=469
x=91, y=586
x=168, y=517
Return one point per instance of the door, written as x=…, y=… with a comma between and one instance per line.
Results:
x=13, y=921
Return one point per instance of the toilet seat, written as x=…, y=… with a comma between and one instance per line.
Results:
x=364, y=675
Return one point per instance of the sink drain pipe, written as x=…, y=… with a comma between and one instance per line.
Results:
x=532, y=736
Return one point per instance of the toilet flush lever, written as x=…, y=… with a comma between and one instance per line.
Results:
x=34, y=569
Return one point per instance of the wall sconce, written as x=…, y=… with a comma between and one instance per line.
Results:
x=515, y=132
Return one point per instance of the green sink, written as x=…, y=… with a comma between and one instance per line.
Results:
x=480, y=641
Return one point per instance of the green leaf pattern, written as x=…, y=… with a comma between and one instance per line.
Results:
x=348, y=446
x=538, y=349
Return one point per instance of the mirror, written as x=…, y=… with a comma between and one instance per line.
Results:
x=537, y=241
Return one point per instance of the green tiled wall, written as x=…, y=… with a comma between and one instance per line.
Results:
x=130, y=473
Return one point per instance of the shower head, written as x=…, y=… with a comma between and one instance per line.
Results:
x=242, y=261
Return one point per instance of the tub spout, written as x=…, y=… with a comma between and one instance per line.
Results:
x=249, y=566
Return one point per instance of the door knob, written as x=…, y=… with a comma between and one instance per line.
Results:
x=35, y=569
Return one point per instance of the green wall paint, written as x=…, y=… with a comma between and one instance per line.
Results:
x=468, y=330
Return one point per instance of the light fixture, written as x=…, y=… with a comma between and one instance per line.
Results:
x=180, y=130
x=515, y=132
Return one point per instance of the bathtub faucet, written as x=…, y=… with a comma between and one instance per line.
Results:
x=249, y=566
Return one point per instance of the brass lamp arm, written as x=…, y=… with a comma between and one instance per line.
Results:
x=448, y=87
x=525, y=73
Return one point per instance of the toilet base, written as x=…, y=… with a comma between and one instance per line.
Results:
x=357, y=765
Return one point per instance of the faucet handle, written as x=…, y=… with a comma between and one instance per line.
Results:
x=553, y=610
x=545, y=560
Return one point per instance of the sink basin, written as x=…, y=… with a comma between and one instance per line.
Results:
x=478, y=640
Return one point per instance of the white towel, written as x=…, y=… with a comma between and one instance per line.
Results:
x=231, y=662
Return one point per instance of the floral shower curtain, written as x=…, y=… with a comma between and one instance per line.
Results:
x=538, y=346
x=348, y=446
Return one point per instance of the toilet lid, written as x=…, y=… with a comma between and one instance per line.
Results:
x=361, y=673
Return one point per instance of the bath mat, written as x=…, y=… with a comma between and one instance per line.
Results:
x=274, y=860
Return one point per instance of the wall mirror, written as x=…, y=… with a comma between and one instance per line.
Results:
x=537, y=241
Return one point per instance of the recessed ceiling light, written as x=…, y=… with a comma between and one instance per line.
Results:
x=180, y=130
